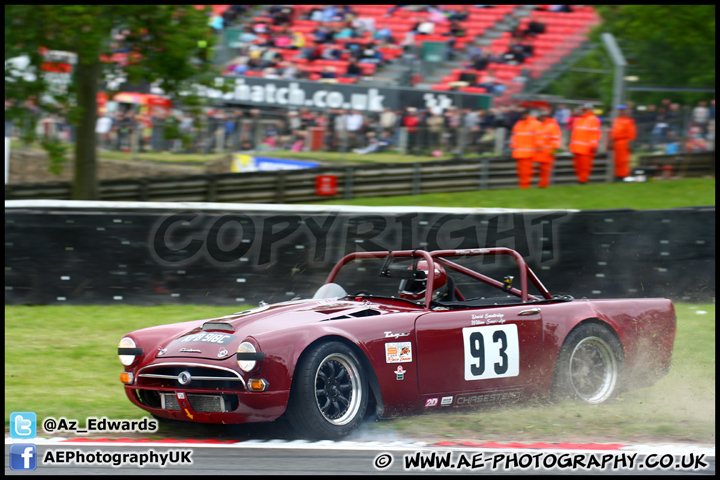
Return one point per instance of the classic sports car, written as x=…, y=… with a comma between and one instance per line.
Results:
x=419, y=331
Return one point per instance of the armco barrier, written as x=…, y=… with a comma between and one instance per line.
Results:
x=64, y=252
x=292, y=186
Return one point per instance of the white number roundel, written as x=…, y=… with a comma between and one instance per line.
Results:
x=491, y=352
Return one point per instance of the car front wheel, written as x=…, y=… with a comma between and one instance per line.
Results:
x=589, y=365
x=329, y=394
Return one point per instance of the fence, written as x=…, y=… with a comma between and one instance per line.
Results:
x=293, y=186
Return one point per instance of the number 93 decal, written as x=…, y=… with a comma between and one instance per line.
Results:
x=491, y=352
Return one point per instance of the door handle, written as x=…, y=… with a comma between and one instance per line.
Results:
x=532, y=311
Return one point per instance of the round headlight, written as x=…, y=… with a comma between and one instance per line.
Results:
x=127, y=342
x=246, y=365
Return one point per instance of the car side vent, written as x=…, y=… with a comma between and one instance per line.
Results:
x=217, y=326
x=362, y=313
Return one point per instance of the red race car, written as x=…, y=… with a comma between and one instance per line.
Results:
x=398, y=333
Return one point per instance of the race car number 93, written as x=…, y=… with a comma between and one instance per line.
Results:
x=491, y=352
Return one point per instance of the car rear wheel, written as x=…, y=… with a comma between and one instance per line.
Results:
x=589, y=366
x=329, y=396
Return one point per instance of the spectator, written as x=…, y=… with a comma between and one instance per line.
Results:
x=701, y=116
x=584, y=140
x=471, y=126
x=534, y=28
x=411, y=121
x=102, y=128
x=340, y=129
x=324, y=34
x=488, y=82
x=247, y=36
x=289, y=70
x=453, y=119
x=388, y=120
x=355, y=123
x=328, y=72
x=353, y=69
x=672, y=147
x=481, y=63
x=695, y=141
x=436, y=128
x=562, y=116
x=371, y=55
x=282, y=16
x=424, y=27
x=374, y=144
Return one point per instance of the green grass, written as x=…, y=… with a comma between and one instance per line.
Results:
x=61, y=361
x=649, y=195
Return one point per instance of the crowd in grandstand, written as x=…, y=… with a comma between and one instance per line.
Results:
x=297, y=42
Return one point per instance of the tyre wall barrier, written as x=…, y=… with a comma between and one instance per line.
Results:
x=66, y=252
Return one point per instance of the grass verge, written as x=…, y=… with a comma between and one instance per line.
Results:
x=688, y=192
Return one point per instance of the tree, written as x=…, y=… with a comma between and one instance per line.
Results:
x=166, y=44
x=665, y=45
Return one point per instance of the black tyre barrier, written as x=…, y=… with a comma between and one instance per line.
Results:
x=64, y=252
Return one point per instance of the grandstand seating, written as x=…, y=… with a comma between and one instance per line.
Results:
x=563, y=33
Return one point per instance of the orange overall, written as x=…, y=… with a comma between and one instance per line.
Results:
x=549, y=137
x=524, y=148
x=623, y=132
x=584, y=140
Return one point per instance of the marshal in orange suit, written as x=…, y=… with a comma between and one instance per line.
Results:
x=524, y=146
x=623, y=132
x=548, y=141
x=584, y=141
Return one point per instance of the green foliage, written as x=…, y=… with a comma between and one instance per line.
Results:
x=665, y=45
x=57, y=151
x=166, y=44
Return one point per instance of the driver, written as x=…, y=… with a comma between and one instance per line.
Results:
x=414, y=288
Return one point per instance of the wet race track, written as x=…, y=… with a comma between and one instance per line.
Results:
x=272, y=449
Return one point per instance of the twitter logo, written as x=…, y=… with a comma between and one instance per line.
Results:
x=23, y=425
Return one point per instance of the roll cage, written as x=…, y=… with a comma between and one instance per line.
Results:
x=439, y=257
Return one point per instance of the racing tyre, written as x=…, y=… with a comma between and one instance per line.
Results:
x=329, y=396
x=589, y=366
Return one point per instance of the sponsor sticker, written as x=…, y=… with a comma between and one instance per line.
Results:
x=446, y=401
x=431, y=402
x=400, y=373
x=398, y=352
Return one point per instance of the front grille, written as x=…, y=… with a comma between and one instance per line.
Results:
x=169, y=401
x=168, y=375
x=199, y=403
x=207, y=403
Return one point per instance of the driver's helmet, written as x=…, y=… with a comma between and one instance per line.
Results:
x=414, y=288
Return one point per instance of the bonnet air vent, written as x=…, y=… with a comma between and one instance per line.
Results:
x=217, y=326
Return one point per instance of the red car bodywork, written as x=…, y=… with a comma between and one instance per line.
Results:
x=434, y=373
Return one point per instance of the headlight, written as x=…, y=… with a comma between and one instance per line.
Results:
x=246, y=365
x=127, y=342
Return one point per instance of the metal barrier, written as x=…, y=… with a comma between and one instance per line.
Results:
x=294, y=186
